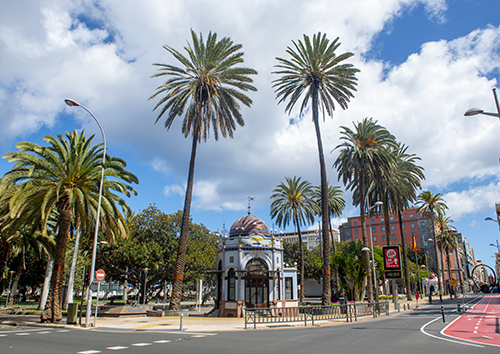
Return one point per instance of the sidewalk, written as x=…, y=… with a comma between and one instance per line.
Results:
x=194, y=322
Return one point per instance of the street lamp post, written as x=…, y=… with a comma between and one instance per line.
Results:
x=366, y=249
x=72, y=103
x=10, y=284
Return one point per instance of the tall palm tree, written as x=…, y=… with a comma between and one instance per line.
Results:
x=432, y=205
x=209, y=87
x=364, y=156
x=293, y=202
x=397, y=190
x=318, y=76
x=65, y=177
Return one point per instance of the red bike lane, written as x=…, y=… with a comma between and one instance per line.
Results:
x=480, y=324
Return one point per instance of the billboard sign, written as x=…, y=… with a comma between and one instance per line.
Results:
x=392, y=258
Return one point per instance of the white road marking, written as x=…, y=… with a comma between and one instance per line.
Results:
x=162, y=341
x=23, y=334
x=141, y=344
x=89, y=352
x=116, y=348
x=44, y=332
x=198, y=336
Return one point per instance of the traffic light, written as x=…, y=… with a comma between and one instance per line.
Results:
x=86, y=278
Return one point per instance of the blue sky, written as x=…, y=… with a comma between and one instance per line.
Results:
x=423, y=64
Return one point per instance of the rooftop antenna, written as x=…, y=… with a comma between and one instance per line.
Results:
x=249, y=205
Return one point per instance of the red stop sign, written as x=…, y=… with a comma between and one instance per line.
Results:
x=99, y=274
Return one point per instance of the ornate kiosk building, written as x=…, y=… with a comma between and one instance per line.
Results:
x=250, y=270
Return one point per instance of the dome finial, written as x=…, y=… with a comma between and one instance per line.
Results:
x=249, y=206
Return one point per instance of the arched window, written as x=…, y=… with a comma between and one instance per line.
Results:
x=231, y=285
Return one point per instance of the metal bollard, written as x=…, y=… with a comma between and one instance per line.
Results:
x=442, y=313
x=459, y=309
x=182, y=316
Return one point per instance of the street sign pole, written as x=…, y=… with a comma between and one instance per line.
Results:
x=99, y=275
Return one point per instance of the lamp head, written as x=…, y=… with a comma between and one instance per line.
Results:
x=71, y=103
x=473, y=112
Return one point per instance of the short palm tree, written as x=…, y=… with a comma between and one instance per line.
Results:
x=431, y=205
x=336, y=205
x=207, y=90
x=293, y=202
x=446, y=239
x=364, y=156
x=64, y=178
x=318, y=76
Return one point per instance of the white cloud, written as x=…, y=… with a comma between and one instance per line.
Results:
x=473, y=200
x=173, y=190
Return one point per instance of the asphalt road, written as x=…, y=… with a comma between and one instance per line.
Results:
x=412, y=332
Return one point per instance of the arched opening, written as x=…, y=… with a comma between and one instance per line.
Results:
x=257, y=284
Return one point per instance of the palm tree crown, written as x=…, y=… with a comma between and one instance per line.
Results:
x=208, y=87
x=315, y=69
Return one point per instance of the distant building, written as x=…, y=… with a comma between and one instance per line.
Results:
x=413, y=223
x=311, y=238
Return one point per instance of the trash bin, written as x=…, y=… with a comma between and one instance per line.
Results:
x=72, y=313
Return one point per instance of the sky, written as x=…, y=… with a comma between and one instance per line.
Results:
x=422, y=64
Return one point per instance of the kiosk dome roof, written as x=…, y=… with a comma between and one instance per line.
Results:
x=249, y=225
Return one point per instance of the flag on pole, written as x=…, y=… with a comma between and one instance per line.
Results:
x=413, y=242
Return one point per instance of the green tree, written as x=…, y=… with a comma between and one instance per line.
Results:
x=352, y=269
x=364, y=156
x=209, y=88
x=318, y=76
x=312, y=259
x=432, y=205
x=65, y=176
x=293, y=202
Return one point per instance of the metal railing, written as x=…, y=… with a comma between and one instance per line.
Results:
x=350, y=312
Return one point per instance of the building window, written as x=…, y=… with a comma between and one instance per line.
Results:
x=231, y=259
x=374, y=229
x=422, y=223
x=382, y=228
x=392, y=219
x=288, y=288
x=412, y=225
x=411, y=216
x=355, y=223
x=356, y=231
x=403, y=226
x=392, y=227
x=381, y=220
x=231, y=285
x=347, y=232
x=393, y=236
x=373, y=221
x=383, y=237
x=374, y=238
x=357, y=239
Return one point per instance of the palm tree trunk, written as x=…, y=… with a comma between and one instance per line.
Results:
x=71, y=280
x=46, y=283
x=52, y=310
x=405, y=257
x=445, y=289
x=175, y=299
x=448, y=264
x=326, y=297
x=302, y=268
x=4, y=254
